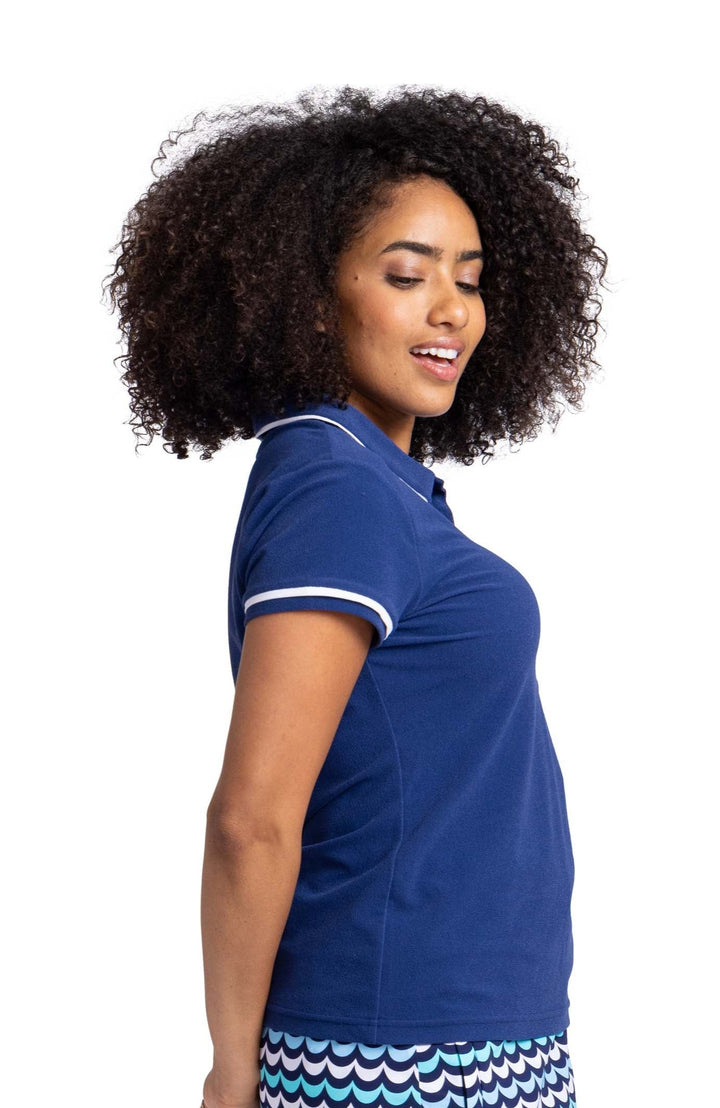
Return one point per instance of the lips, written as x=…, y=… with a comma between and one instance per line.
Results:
x=446, y=369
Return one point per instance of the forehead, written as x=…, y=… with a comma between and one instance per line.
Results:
x=426, y=210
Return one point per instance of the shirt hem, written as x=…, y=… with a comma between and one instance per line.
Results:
x=405, y=1032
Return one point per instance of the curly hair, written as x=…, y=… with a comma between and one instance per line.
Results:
x=227, y=255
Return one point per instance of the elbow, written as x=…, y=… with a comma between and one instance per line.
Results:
x=232, y=829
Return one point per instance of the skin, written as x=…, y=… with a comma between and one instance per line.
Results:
x=382, y=317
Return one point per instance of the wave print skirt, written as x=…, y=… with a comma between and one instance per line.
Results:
x=301, y=1072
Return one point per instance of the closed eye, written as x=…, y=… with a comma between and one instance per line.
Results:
x=406, y=282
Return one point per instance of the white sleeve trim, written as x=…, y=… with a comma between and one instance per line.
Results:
x=320, y=590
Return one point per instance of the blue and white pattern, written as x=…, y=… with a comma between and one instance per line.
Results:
x=301, y=1072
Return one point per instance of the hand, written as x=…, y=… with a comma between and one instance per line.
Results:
x=215, y=1096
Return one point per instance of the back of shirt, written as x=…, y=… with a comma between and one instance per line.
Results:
x=433, y=901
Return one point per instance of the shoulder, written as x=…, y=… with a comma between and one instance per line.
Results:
x=326, y=525
x=302, y=440
x=314, y=460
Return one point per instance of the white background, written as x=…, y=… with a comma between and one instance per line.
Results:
x=118, y=685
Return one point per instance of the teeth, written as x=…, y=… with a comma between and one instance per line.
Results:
x=438, y=351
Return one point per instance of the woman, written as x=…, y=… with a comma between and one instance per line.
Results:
x=365, y=284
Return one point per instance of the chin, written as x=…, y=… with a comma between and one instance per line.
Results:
x=440, y=401
x=431, y=412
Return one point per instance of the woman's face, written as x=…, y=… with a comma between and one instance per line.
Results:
x=421, y=294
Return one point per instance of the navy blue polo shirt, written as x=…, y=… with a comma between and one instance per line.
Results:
x=433, y=899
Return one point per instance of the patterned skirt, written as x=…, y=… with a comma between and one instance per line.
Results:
x=297, y=1070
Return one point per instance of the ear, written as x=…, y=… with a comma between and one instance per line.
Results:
x=319, y=325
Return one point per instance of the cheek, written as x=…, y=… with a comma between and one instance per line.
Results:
x=391, y=317
x=375, y=320
x=359, y=310
x=374, y=315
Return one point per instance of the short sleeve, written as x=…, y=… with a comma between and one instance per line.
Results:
x=334, y=536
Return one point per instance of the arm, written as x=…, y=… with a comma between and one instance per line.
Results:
x=297, y=671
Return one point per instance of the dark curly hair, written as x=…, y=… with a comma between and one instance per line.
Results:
x=226, y=257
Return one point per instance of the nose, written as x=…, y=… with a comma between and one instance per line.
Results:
x=449, y=305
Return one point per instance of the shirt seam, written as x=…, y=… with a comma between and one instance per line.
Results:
x=555, y=1012
x=391, y=878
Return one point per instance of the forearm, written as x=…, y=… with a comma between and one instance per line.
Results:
x=247, y=891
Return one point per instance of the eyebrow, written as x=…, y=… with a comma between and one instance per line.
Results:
x=435, y=252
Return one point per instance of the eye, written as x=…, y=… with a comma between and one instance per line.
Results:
x=406, y=282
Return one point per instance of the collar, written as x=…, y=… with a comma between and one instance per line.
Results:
x=419, y=477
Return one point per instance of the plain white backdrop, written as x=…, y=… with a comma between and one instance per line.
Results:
x=117, y=676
